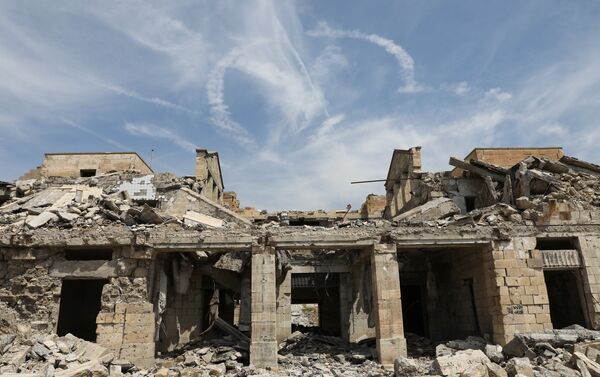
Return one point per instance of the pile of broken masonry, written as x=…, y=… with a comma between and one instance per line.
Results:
x=523, y=194
x=570, y=352
x=95, y=201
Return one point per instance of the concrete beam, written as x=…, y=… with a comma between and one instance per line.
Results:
x=89, y=269
x=320, y=269
x=322, y=241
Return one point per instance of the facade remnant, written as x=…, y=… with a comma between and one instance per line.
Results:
x=134, y=267
x=73, y=165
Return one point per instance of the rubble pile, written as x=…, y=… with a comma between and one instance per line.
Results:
x=50, y=355
x=123, y=198
x=569, y=352
x=528, y=192
x=215, y=357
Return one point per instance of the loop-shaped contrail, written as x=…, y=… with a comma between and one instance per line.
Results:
x=405, y=61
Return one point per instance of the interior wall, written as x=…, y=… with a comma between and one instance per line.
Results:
x=182, y=319
x=460, y=303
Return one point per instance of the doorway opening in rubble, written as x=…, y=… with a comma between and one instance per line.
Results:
x=84, y=173
x=564, y=295
x=323, y=291
x=80, y=303
x=413, y=314
x=305, y=315
x=470, y=203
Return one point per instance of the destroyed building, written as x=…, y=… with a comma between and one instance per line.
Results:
x=146, y=264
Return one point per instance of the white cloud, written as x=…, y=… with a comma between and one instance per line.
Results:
x=462, y=88
x=498, y=95
x=156, y=132
x=405, y=61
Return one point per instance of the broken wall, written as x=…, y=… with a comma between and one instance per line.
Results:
x=30, y=296
x=208, y=170
x=70, y=164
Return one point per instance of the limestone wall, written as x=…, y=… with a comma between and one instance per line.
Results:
x=30, y=297
x=520, y=298
x=70, y=165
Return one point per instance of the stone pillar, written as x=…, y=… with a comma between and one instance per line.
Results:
x=590, y=258
x=263, y=345
x=387, y=304
x=284, y=308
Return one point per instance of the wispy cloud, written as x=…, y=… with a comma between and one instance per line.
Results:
x=405, y=61
x=498, y=94
x=137, y=96
x=95, y=134
x=157, y=132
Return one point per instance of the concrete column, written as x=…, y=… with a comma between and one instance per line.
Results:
x=263, y=345
x=284, y=308
x=387, y=304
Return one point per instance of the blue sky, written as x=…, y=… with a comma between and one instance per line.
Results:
x=298, y=97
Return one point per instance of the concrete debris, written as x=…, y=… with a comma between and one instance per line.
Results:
x=232, y=261
x=193, y=218
x=122, y=198
x=458, y=363
x=435, y=209
x=51, y=355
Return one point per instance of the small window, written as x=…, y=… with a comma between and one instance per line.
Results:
x=469, y=203
x=87, y=173
x=93, y=254
x=555, y=244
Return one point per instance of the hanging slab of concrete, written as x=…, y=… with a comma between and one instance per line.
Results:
x=432, y=210
x=192, y=218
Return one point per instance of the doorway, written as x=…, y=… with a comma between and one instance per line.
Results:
x=80, y=303
x=564, y=297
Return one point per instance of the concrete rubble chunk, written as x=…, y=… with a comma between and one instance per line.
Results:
x=232, y=261
x=494, y=352
x=89, y=369
x=405, y=367
x=149, y=216
x=495, y=370
x=519, y=366
x=579, y=360
x=434, y=209
x=41, y=219
x=461, y=361
x=193, y=218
